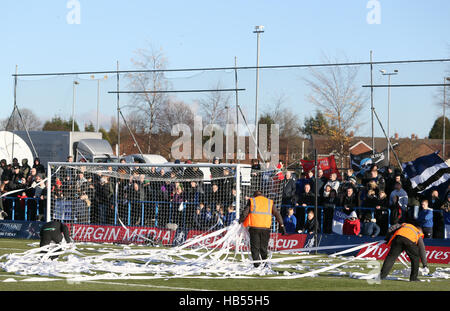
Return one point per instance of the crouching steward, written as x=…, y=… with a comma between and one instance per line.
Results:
x=409, y=238
x=53, y=232
x=257, y=216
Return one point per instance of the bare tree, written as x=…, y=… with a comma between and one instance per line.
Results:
x=335, y=93
x=215, y=106
x=175, y=112
x=290, y=128
x=288, y=121
x=148, y=105
x=14, y=123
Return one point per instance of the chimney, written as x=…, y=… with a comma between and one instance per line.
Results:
x=396, y=136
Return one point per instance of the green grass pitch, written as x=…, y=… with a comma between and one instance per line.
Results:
x=324, y=282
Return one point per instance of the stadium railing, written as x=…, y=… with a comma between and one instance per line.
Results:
x=39, y=206
x=15, y=201
x=321, y=209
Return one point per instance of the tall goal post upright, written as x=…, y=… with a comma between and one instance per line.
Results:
x=238, y=191
x=49, y=188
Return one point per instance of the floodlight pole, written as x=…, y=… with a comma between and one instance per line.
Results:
x=316, y=190
x=389, y=74
x=73, y=105
x=14, y=110
x=237, y=110
x=258, y=31
x=443, y=121
x=118, y=113
x=371, y=102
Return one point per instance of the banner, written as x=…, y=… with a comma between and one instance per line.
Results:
x=113, y=234
x=338, y=220
x=20, y=229
x=435, y=254
x=362, y=162
x=327, y=165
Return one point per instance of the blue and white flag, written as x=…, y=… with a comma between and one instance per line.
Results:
x=338, y=220
x=427, y=173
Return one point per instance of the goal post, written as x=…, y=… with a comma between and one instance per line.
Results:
x=159, y=203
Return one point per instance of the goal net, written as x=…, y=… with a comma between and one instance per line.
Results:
x=164, y=204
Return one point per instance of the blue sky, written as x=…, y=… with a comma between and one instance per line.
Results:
x=36, y=36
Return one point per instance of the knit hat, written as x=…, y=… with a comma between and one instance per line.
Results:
x=353, y=215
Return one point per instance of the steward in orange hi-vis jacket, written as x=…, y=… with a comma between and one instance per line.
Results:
x=409, y=238
x=257, y=216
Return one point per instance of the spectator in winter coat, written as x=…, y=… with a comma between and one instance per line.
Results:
x=435, y=204
x=445, y=208
x=307, y=198
x=381, y=212
x=290, y=221
x=352, y=225
x=311, y=224
x=369, y=226
x=288, y=195
x=330, y=199
x=333, y=182
x=321, y=180
x=374, y=176
x=425, y=219
x=402, y=197
x=25, y=168
x=349, y=199
x=371, y=199
x=39, y=167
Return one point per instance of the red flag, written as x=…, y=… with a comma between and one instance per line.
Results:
x=327, y=165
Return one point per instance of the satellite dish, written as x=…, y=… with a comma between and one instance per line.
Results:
x=21, y=149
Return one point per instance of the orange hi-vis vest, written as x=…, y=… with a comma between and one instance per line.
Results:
x=408, y=231
x=260, y=214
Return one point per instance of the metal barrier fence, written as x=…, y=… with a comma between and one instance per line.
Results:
x=16, y=201
x=22, y=206
x=321, y=209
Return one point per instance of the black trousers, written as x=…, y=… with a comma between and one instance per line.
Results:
x=259, y=243
x=400, y=244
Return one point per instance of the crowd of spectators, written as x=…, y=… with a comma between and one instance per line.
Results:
x=180, y=196
x=374, y=200
x=135, y=195
x=29, y=188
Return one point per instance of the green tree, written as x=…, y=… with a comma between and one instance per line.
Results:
x=59, y=124
x=436, y=130
x=111, y=135
x=317, y=124
x=89, y=127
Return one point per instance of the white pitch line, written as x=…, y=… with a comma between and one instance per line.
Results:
x=147, y=285
x=112, y=283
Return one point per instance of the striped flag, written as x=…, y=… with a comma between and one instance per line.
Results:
x=427, y=173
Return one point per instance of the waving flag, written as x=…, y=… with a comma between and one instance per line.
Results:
x=362, y=162
x=427, y=173
x=327, y=165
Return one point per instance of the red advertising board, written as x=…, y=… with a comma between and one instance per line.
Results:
x=111, y=234
x=435, y=254
x=278, y=242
